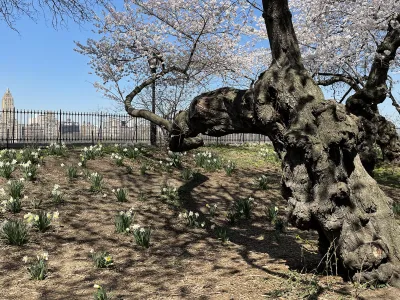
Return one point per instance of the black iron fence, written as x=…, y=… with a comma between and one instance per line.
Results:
x=21, y=127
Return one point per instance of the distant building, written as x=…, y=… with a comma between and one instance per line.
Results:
x=8, y=123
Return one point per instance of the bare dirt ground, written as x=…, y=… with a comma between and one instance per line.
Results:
x=182, y=262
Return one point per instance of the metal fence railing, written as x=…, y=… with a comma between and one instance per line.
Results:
x=21, y=127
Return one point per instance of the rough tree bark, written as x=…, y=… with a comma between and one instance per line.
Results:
x=324, y=181
x=364, y=103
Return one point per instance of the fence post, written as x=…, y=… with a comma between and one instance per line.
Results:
x=135, y=130
x=59, y=127
x=13, y=127
x=92, y=138
x=7, y=136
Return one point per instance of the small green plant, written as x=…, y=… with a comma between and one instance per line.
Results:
x=14, y=232
x=243, y=207
x=36, y=203
x=129, y=169
x=38, y=267
x=143, y=169
x=176, y=158
x=191, y=218
x=12, y=205
x=229, y=168
x=102, y=259
x=8, y=154
x=187, y=174
x=207, y=160
x=15, y=188
x=100, y=293
x=269, y=155
x=42, y=220
x=166, y=166
x=124, y=220
x=7, y=168
x=262, y=182
x=57, y=149
x=72, y=172
x=171, y=195
x=221, y=233
x=29, y=170
x=280, y=225
x=92, y=152
x=396, y=208
x=118, y=159
x=272, y=213
x=57, y=194
x=132, y=152
x=30, y=154
x=142, y=196
x=211, y=209
x=142, y=235
x=120, y=194
x=97, y=181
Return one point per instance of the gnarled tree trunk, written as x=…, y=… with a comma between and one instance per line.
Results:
x=324, y=181
x=375, y=129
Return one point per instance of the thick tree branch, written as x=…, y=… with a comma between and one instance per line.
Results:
x=335, y=78
x=143, y=113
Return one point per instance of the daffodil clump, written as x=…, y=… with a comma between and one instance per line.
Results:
x=14, y=232
x=118, y=159
x=207, y=160
x=269, y=155
x=92, y=152
x=8, y=154
x=101, y=259
x=15, y=188
x=72, y=171
x=31, y=154
x=141, y=235
x=120, y=194
x=191, y=218
x=176, y=158
x=229, y=167
x=272, y=213
x=262, y=182
x=221, y=233
x=29, y=170
x=100, y=293
x=211, y=209
x=38, y=267
x=57, y=149
x=166, y=166
x=242, y=208
x=187, y=174
x=12, y=205
x=42, y=220
x=96, y=181
x=132, y=152
x=123, y=221
x=57, y=195
x=171, y=195
x=6, y=168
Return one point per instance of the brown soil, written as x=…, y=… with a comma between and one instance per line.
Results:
x=182, y=262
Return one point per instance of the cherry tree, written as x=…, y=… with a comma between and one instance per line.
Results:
x=324, y=181
x=175, y=43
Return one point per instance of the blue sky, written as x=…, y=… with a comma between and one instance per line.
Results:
x=43, y=71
